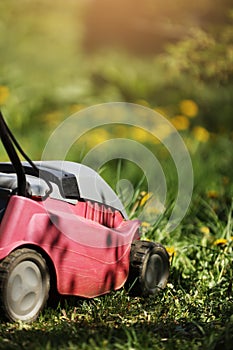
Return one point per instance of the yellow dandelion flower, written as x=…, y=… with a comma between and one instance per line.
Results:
x=120, y=130
x=142, y=193
x=201, y=134
x=145, y=224
x=141, y=135
x=145, y=227
x=146, y=239
x=189, y=108
x=162, y=131
x=4, y=94
x=145, y=199
x=220, y=241
x=52, y=118
x=212, y=194
x=97, y=136
x=180, y=122
x=205, y=230
x=171, y=251
x=76, y=107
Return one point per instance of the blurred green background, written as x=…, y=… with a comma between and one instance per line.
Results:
x=58, y=57
x=175, y=57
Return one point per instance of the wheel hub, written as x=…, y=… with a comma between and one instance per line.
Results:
x=25, y=289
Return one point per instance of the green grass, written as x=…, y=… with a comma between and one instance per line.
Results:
x=195, y=311
x=190, y=313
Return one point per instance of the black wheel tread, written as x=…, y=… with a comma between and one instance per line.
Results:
x=139, y=252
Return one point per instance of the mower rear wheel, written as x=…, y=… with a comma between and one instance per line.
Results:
x=24, y=285
x=149, y=268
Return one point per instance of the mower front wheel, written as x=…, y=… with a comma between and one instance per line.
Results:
x=149, y=268
x=24, y=285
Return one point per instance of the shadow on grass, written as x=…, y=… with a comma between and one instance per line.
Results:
x=113, y=334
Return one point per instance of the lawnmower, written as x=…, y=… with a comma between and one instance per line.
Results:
x=64, y=231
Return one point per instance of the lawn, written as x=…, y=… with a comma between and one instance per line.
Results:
x=45, y=77
x=194, y=311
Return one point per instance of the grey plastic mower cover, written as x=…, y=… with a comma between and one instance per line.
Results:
x=91, y=185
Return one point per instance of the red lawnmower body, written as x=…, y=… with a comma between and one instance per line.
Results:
x=63, y=229
x=90, y=258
